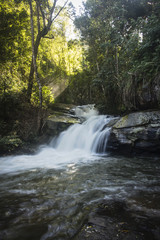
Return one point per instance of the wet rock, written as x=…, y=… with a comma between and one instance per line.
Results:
x=112, y=220
x=111, y=122
x=136, y=133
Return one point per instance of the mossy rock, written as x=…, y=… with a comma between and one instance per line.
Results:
x=138, y=119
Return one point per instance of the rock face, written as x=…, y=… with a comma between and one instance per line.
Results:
x=137, y=132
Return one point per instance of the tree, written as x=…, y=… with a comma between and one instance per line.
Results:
x=45, y=12
x=116, y=53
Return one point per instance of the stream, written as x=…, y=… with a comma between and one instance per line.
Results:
x=50, y=194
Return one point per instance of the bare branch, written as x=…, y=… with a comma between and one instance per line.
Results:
x=59, y=11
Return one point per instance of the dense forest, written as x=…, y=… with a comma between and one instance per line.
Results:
x=114, y=62
x=122, y=50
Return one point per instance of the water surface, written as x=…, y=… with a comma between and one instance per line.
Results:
x=50, y=194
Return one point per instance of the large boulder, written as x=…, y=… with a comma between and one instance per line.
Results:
x=137, y=132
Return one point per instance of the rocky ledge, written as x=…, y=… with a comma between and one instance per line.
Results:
x=60, y=119
x=137, y=132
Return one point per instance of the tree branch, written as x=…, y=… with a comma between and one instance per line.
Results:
x=38, y=18
x=59, y=11
x=52, y=10
x=49, y=37
x=43, y=16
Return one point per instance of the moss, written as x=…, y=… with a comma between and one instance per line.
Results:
x=62, y=118
x=121, y=122
x=10, y=143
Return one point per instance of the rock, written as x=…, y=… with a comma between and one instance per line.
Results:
x=138, y=119
x=136, y=133
x=63, y=108
x=58, y=122
x=111, y=122
x=114, y=219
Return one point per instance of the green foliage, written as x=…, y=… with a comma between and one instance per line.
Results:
x=117, y=58
x=10, y=143
x=58, y=58
x=80, y=88
x=149, y=50
x=13, y=29
x=48, y=98
x=15, y=54
x=123, y=51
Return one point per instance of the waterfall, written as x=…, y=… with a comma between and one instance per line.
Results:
x=91, y=136
x=79, y=143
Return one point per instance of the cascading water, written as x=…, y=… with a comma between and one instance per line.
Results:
x=91, y=136
x=49, y=195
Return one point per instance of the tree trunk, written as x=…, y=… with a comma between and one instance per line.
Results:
x=117, y=63
x=34, y=56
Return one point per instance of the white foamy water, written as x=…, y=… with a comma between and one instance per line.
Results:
x=86, y=111
x=47, y=158
x=87, y=136
x=78, y=143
